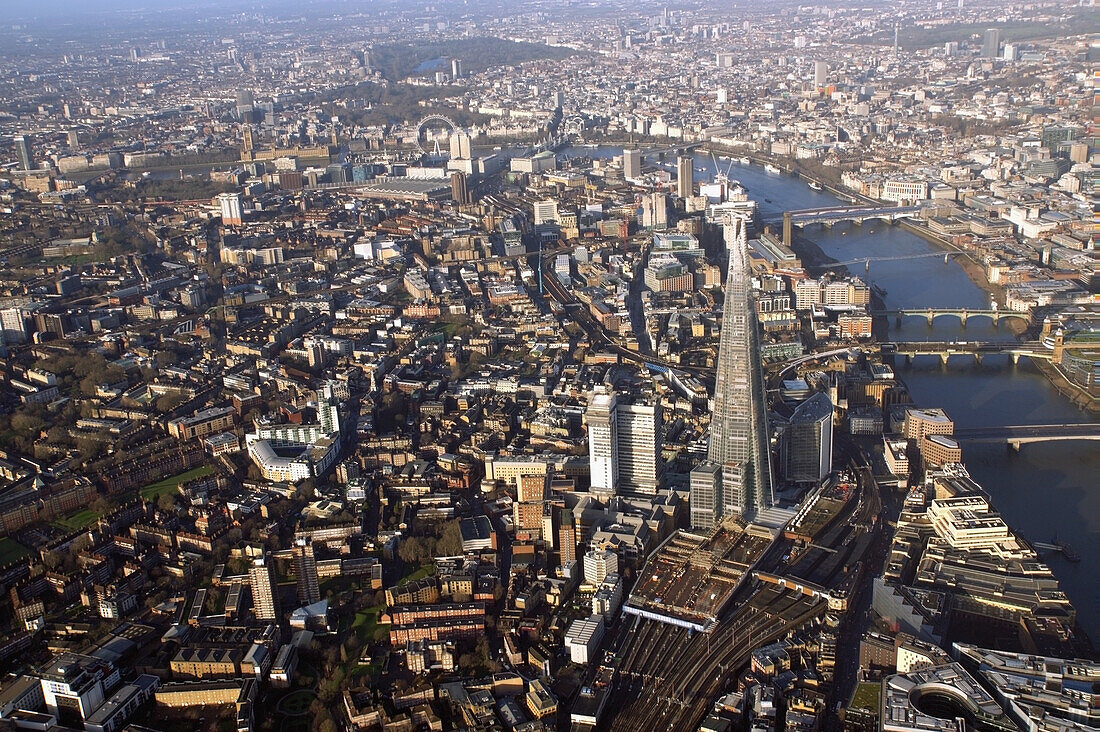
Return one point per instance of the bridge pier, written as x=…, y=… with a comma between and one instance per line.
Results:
x=931, y=317
x=943, y=359
x=962, y=317
x=1014, y=445
x=996, y=319
x=897, y=321
x=1015, y=358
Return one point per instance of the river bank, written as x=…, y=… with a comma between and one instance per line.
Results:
x=1074, y=394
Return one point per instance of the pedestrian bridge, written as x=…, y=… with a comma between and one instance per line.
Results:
x=834, y=214
x=930, y=314
x=1016, y=436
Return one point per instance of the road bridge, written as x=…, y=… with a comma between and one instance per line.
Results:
x=843, y=213
x=930, y=314
x=1016, y=436
x=977, y=349
x=662, y=151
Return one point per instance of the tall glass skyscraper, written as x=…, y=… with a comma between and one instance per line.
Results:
x=737, y=476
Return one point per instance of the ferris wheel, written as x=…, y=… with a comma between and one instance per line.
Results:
x=425, y=126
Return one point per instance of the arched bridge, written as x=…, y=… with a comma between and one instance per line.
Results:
x=962, y=314
x=843, y=213
x=1017, y=435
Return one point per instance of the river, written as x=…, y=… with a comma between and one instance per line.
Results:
x=1045, y=490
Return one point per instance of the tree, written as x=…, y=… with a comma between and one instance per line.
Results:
x=101, y=506
x=166, y=502
x=169, y=401
x=450, y=542
x=410, y=550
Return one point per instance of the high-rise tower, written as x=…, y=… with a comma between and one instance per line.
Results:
x=460, y=194
x=230, y=206
x=632, y=163
x=265, y=593
x=305, y=570
x=624, y=444
x=991, y=44
x=685, y=176
x=738, y=479
x=23, y=152
x=638, y=456
x=807, y=444
x=603, y=439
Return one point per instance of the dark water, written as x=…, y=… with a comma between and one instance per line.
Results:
x=1045, y=490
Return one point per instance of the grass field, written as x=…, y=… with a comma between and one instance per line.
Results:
x=77, y=521
x=417, y=574
x=11, y=550
x=154, y=490
x=866, y=696
x=366, y=623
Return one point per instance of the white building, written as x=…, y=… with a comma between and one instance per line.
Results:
x=294, y=452
x=598, y=564
x=603, y=438
x=229, y=204
x=546, y=212
x=609, y=597
x=583, y=637
x=639, y=462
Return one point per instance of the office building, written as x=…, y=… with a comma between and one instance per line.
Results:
x=638, y=454
x=821, y=74
x=632, y=163
x=230, y=206
x=921, y=422
x=655, y=211
x=460, y=146
x=456, y=68
x=685, y=176
x=23, y=152
x=305, y=571
x=567, y=535
x=14, y=313
x=598, y=563
x=293, y=452
x=546, y=212
x=807, y=445
x=603, y=439
x=265, y=593
x=937, y=450
x=705, y=484
x=245, y=105
x=624, y=445
x=74, y=686
x=991, y=43
x=738, y=479
x=583, y=637
x=458, y=188
x=936, y=699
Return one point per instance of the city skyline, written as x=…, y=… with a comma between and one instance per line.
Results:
x=549, y=366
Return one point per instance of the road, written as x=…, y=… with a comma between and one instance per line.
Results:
x=598, y=335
